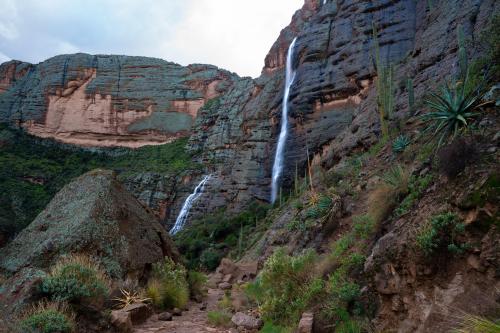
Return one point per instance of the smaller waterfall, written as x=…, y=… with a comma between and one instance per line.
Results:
x=186, y=207
x=278, y=160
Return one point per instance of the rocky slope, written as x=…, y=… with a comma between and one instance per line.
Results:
x=99, y=100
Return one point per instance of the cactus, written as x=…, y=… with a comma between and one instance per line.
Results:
x=411, y=96
x=385, y=87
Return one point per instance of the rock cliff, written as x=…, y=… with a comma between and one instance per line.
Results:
x=107, y=100
x=333, y=99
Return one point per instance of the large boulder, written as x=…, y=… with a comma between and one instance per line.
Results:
x=96, y=216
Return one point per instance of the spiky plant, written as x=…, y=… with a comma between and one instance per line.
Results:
x=476, y=324
x=453, y=109
x=130, y=297
x=400, y=143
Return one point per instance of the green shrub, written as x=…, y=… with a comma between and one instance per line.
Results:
x=272, y=328
x=219, y=318
x=76, y=278
x=48, y=318
x=197, y=284
x=286, y=287
x=214, y=236
x=168, y=287
x=363, y=226
x=441, y=233
x=416, y=187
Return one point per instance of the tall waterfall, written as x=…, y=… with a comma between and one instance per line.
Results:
x=278, y=160
x=183, y=215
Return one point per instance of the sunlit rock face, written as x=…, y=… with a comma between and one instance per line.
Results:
x=107, y=100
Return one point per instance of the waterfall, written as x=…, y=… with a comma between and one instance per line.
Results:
x=183, y=215
x=278, y=160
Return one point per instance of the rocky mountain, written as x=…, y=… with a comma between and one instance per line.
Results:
x=100, y=100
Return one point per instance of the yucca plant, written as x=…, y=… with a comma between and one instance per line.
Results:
x=452, y=111
x=400, y=143
x=476, y=324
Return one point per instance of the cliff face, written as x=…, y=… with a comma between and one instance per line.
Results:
x=333, y=98
x=107, y=100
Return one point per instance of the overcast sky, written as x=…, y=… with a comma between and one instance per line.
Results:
x=232, y=34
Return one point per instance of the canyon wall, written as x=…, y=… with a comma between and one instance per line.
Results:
x=107, y=100
x=333, y=99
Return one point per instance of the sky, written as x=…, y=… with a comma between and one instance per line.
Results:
x=232, y=34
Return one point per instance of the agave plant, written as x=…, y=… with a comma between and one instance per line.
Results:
x=400, y=143
x=129, y=297
x=452, y=110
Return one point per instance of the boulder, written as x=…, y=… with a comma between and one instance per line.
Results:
x=96, y=216
x=139, y=312
x=121, y=321
x=241, y=319
x=306, y=323
x=165, y=316
x=177, y=312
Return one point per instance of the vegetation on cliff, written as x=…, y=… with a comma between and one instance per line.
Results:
x=32, y=171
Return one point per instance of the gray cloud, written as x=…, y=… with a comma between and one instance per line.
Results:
x=233, y=34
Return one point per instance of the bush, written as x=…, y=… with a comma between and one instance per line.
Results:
x=219, y=318
x=75, y=279
x=168, y=287
x=286, y=287
x=363, y=226
x=197, y=284
x=48, y=318
x=416, y=187
x=271, y=328
x=212, y=237
x=441, y=233
x=453, y=158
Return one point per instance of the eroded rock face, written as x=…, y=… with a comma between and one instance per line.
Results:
x=107, y=100
x=96, y=216
x=333, y=99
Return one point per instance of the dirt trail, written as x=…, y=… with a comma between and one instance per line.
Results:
x=193, y=320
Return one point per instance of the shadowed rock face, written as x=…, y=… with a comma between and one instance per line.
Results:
x=107, y=100
x=96, y=216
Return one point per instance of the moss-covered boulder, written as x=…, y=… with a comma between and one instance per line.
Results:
x=96, y=216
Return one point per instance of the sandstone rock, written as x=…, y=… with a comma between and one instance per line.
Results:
x=94, y=215
x=241, y=319
x=306, y=323
x=103, y=100
x=225, y=286
x=165, y=316
x=139, y=312
x=121, y=321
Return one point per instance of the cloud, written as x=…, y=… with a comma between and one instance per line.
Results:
x=3, y=58
x=232, y=34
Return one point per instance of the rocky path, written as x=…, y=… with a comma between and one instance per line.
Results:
x=194, y=320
